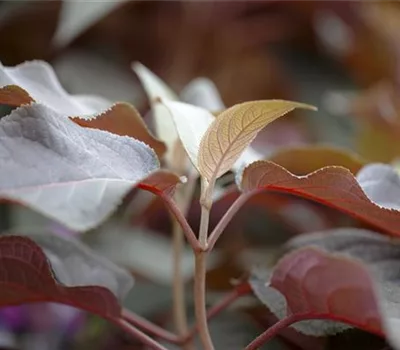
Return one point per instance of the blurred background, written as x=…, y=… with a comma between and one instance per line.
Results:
x=342, y=56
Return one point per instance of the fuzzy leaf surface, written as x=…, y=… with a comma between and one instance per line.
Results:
x=37, y=81
x=77, y=176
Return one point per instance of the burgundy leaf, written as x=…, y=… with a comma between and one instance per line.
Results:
x=75, y=264
x=27, y=277
x=332, y=186
x=347, y=275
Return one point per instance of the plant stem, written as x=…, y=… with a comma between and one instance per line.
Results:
x=203, y=233
x=221, y=305
x=139, y=335
x=183, y=199
x=200, y=300
x=178, y=285
x=201, y=267
x=219, y=229
x=273, y=331
x=149, y=327
x=187, y=230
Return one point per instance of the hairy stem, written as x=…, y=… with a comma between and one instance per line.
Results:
x=139, y=335
x=200, y=300
x=273, y=331
x=149, y=327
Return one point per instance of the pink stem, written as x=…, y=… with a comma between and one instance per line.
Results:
x=149, y=327
x=180, y=217
x=273, y=331
x=288, y=320
x=139, y=335
x=233, y=209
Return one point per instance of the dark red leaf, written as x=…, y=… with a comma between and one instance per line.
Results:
x=345, y=275
x=332, y=186
x=27, y=277
x=326, y=286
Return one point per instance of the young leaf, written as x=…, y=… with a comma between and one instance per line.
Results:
x=335, y=187
x=353, y=279
x=77, y=176
x=191, y=122
x=36, y=81
x=76, y=17
x=124, y=120
x=156, y=89
x=27, y=277
x=233, y=130
x=153, y=85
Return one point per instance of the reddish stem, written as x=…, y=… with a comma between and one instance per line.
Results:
x=288, y=320
x=149, y=327
x=180, y=217
x=228, y=299
x=139, y=335
x=226, y=219
x=273, y=331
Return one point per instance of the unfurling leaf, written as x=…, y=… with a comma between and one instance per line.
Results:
x=306, y=159
x=347, y=275
x=36, y=81
x=156, y=89
x=27, y=277
x=153, y=85
x=335, y=187
x=124, y=120
x=191, y=122
x=233, y=130
x=77, y=176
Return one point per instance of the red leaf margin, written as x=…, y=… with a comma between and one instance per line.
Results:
x=333, y=186
x=26, y=277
